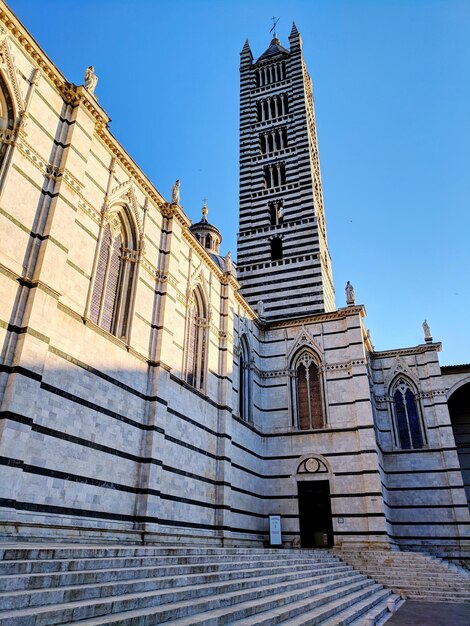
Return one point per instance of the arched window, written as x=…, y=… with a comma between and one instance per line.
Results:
x=196, y=342
x=244, y=381
x=276, y=249
x=113, y=284
x=208, y=241
x=276, y=212
x=307, y=393
x=409, y=432
x=6, y=117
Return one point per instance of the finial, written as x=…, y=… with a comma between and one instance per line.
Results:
x=273, y=29
x=204, y=210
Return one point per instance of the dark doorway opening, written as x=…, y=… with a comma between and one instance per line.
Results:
x=459, y=410
x=316, y=528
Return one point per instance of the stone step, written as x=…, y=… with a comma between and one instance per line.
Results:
x=76, y=552
x=308, y=612
x=40, y=581
x=357, y=607
x=412, y=575
x=411, y=578
x=56, y=565
x=194, y=586
x=171, y=604
x=419, y=576
x=397, y=563
x=223, y=610
x=377, y=614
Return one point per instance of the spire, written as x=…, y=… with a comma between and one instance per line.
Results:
x=294, y=37
x=246, y=56
x=293, y=31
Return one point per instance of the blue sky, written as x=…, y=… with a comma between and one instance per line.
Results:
x=392, y=95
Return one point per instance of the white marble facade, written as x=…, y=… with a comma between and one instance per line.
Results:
x=133, y=428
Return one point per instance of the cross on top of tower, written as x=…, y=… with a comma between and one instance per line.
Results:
x=273, y=29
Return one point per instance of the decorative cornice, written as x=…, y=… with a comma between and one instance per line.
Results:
x=421, y=349
x=340, y=314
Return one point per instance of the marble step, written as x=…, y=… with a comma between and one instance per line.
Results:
x=306, y=612
x=375, y=609
x=353, y=611
x=164, y=601
x=411, y=574
x=56, y=565
x=413, y=579
x=225, y=609
x=194, y=586
x=78, y=577
x=45, y=551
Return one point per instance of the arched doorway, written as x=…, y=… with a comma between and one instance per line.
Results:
x=315, y=518
x=459, y=410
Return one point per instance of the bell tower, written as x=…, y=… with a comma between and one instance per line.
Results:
x=282, y=253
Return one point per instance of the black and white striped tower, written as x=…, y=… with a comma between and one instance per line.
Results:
x=283, y=256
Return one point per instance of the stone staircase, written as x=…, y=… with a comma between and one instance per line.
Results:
x=142, y=586
x=415, y=575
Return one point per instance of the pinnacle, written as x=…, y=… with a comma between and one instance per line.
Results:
x=246, y=47
x=293, y=31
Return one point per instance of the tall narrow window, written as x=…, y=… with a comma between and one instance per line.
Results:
x=308, y=393
x=196, y=342
x=276, y=212
x=244, y=381
x=110, y=300
x=276, y=249
x=408, y=426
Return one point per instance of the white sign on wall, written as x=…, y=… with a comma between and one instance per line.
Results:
x=275, y=536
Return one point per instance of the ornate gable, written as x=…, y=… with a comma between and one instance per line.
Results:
x=305, y=340
x=399, y=367
x=125, y=192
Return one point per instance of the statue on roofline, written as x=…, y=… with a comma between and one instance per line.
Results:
x=350, y=296
x=91, y=79
x=175, y=193
x=427, y=331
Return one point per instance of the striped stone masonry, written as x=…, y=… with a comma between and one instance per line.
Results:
x=282, y=242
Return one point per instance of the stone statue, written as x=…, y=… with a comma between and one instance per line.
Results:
x=427, y=331
x=350, y=296
x=228, y=262
x=175, y=193
x=91, y=79
x=260, y=308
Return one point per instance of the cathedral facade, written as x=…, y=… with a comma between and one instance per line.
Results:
x=151, y=389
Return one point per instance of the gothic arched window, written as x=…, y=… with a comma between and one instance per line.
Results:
x=307, y=396
x=7, y=118
x=409, y=433
x=244, y=381
x=113, y=282
x=196, y=340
